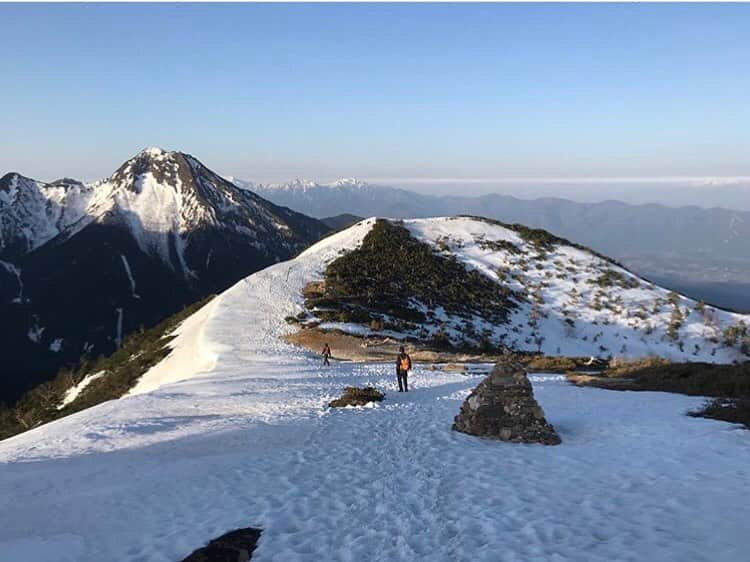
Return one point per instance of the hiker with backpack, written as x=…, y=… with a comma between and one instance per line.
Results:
x=326, y=354
x=403, y=366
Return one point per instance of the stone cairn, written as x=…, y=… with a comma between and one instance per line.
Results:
x=503, y=407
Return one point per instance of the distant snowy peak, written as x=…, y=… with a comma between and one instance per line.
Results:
x=164, y=197
x=349, y=182
x=161, y=196
x=181, y=184
x=304, y=185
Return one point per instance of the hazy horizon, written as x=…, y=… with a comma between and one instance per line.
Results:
x=634, y=102
x=535, y=99
x=706, y=192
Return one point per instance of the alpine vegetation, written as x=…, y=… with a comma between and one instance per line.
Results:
x=472, y=283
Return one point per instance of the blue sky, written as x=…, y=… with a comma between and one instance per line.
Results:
x=272, y=92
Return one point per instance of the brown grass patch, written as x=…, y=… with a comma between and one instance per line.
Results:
x=728, y=385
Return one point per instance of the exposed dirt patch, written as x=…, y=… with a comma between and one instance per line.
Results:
x=600, y=381
x=346, y=347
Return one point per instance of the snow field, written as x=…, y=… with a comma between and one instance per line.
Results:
x=634, y=479
x=242, y=437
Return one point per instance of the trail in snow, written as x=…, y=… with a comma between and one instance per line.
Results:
x=634, y=479
x=245, y=440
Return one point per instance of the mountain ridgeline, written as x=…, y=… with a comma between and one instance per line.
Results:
x=83, y=265
x=475, y=284
x=697, y=250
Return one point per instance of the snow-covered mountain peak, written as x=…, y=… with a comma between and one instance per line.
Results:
x=155, y=152
x=301, y=185
x=161, y=164
x=9, y=185
x=349, y=183
x=161, y=196
x=66, y=183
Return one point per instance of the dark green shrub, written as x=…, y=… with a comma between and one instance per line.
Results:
x=391, y=270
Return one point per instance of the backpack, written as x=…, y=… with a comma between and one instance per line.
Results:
x=404, y=363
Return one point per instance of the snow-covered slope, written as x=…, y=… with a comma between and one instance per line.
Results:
x=244, y=439
x=570, y=301
x=580, y=303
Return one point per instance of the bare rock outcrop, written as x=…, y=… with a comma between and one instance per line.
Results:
x=503, y=407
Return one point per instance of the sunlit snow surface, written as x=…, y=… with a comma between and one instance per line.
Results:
x=245, y=440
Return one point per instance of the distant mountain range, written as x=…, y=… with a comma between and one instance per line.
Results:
x=702, y=251
x=81, y=265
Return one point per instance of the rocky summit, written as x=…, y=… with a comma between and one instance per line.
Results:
x=503, y=407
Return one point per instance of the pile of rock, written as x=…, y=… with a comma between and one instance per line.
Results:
x=354, y=396
x=503, y=407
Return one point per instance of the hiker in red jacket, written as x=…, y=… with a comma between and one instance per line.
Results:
x=326, y=354
x=403, y=366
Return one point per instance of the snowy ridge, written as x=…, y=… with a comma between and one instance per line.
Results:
x=245, y=440
x=194, y=352
x=580, y=303
x=574, y=302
